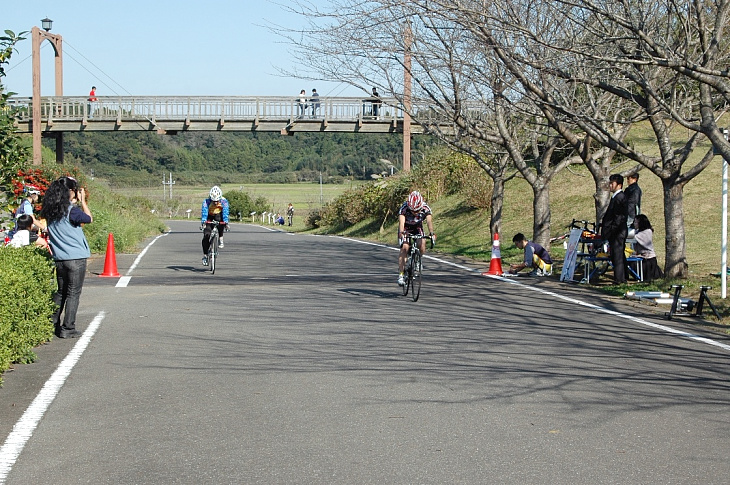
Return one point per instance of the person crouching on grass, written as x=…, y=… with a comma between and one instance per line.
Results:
x=536, y=257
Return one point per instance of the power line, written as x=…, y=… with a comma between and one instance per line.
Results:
x=99, y=69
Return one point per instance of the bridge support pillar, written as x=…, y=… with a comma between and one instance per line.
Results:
x=57, y=41
x=59, y=147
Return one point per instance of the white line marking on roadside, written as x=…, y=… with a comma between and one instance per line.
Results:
x=567, y=298
x=139, y=256
x=24, y=428
x=124, y=280
x=665, y=328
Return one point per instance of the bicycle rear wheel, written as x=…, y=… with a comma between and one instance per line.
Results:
x=416, y=275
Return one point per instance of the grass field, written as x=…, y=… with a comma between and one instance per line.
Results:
x=304, y=197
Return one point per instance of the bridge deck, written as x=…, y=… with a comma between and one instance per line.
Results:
x=173, y=114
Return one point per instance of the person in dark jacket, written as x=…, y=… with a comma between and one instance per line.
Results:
x=614, y=229
x=633, y=199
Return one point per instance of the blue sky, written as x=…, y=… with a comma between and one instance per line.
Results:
x=211, y=47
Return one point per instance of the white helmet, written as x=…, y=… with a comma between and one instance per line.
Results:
x=216, y=193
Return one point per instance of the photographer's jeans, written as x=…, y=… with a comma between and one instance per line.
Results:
x=70, y=276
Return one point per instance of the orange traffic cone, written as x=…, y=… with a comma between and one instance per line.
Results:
x=495, y=265
x=110, y=263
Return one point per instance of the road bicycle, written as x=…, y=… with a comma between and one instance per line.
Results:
x=413, y=269
x=213, y=241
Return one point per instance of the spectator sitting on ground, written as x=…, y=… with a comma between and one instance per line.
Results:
x=536, y=257
x=23, y=236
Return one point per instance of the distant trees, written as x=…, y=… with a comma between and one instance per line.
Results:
x=280, y=159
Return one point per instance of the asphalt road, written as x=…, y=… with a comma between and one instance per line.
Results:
x=300, y=361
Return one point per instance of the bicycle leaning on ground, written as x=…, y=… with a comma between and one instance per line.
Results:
x=414, y=268
x=213, y=241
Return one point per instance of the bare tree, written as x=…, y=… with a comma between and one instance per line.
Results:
x=363, y=44
x=663, y=63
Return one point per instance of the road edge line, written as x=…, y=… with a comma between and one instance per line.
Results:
x=641, y=321
x=26, y=425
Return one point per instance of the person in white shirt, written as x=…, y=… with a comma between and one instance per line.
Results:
x=23, y=236
x=644, y=248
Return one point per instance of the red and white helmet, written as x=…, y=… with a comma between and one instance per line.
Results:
x=415, y=201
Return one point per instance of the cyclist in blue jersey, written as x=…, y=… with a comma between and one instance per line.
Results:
x=410, y=222
x=215, y=208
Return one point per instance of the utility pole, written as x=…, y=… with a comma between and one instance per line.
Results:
x=170, y=184
x=723, y=266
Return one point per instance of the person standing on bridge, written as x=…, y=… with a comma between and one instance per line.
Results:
x=92, y=100
x=69, y=247
x=314, y=101
x=377, y=102
x=302, y=103
x=215, y=208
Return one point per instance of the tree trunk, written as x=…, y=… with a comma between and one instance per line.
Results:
x=675, y=265
x=495, y=219
x=541, y=215
x=602, y=197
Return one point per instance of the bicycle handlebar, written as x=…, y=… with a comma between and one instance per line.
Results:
x=420, y=236
x=214, y=223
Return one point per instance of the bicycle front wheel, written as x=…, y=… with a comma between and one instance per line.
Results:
x=416, y=275
x=213, y=250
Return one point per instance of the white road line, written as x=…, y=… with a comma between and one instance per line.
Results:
x=124, y=281
x=619, y=314
x=24, y=428
x=641, y=321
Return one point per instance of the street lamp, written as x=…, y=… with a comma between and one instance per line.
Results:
x=56, y=40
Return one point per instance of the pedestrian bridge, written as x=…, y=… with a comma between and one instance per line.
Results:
x=174, y=114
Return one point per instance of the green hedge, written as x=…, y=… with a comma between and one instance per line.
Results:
x=26, y=303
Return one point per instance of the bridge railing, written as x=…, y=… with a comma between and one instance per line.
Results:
x=136, y=108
